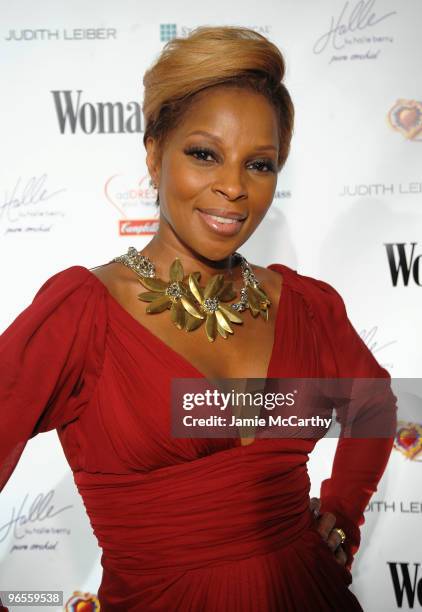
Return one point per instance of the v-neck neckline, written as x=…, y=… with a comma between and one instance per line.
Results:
x=139, y=327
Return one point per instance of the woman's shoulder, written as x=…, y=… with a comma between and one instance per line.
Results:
x=319, y=295
x=308, y=285
x=68, y=277
x=76, y=278
x=69, y=291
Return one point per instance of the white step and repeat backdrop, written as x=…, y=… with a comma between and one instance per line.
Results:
x=348, y=209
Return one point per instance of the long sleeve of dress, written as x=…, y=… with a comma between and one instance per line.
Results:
x=358, y=462
x=50, y=358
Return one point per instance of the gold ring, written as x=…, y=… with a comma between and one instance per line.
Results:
x=341, y=534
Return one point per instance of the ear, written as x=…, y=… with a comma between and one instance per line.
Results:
x=153, y=159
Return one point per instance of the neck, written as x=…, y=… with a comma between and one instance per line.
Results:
x=163, y=252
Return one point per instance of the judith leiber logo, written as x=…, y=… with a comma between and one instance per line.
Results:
x=406, y=117
x=408, y=440
x=82, y=602
x=134, y=200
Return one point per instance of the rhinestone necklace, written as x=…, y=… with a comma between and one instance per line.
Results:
x=190, y=304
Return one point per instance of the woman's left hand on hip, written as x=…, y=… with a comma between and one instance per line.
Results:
x=325, y=523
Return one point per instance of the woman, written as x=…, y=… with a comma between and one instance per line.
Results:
x=199, y=524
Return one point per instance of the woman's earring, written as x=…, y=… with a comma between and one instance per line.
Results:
x=152, y=184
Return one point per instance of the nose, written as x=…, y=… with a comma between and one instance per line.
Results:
x=230, y=182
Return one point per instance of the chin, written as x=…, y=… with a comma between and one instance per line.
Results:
x=217, y=252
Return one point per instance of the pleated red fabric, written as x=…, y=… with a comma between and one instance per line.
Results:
x=190, y=525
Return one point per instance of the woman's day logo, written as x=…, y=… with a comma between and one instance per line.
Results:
x=134, y=200
x=406, y=117
x=409, y=440
x=82, y=602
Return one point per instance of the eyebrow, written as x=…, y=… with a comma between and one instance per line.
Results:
x=214, y=137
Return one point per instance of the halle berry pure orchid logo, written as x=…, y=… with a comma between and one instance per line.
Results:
x=354, y=26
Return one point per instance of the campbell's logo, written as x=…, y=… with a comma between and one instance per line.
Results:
x=405, y=117
x=74, y=114
x=407, y=583
x=82, y=602
x=403, y=263
x=138, y=227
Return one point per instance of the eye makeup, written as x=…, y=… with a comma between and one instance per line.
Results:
x=196, y=150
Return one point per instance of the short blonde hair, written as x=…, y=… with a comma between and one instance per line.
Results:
x=210, y=56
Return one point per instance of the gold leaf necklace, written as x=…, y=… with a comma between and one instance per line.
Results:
x=190, y=304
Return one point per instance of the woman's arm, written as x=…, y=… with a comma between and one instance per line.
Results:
x=50, y=358
x=359, y=462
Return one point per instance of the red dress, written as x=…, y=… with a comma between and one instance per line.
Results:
x=188, y=525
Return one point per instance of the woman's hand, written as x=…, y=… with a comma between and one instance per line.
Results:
x=325, y=523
